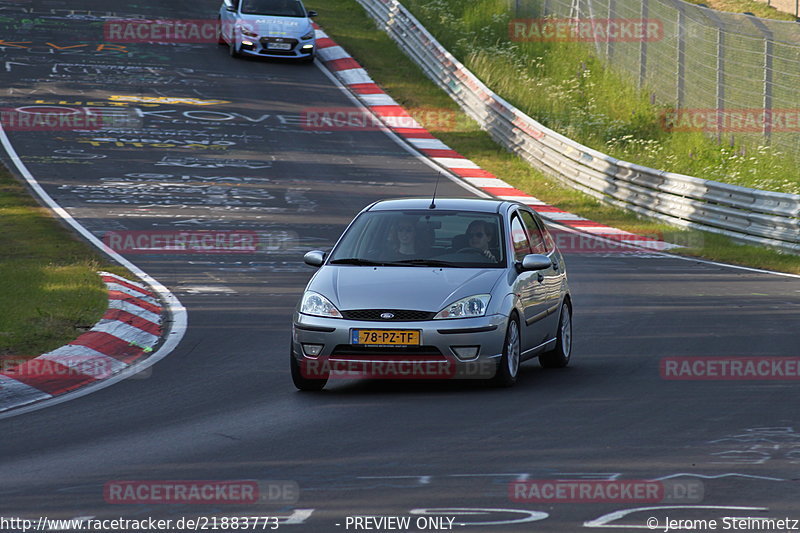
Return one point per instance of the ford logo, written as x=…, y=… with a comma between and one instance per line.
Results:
x=387, y=316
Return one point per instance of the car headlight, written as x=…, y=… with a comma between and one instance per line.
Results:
x=308, y=35
x=249, y=33
x=315, y=304
x=468, y=307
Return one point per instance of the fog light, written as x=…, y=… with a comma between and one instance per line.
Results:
x=307, y=47
x=247, y=43
x=312, y=350
x=465, y=353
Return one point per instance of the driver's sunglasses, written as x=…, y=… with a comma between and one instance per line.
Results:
x=405, y=228
x=478, y=234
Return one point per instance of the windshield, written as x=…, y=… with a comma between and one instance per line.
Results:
x=276, y=8
x=462, y=239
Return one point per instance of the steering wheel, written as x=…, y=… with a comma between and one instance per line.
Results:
x=479, y=252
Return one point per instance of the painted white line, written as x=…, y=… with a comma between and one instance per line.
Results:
x=664, y=255
x=175, y=308
x=399, y=122
x=14, y=393
x=133, y=293
x=456, y=162
x=355, y=75
x=606, y=519
x=202, y=289
x=527, y=200
x=126, y=332
x=377, y=99
x=604, y=230
x=120, y=278
x=332, y=52
x=95, y=364
x=488, y=182
x=737, y=267
x=428, y=144
x=654, y=245
x=422, y=480
x=124, y=305
x=319, y=34
x=717, y=476
x=71, y=350
x=561, y=215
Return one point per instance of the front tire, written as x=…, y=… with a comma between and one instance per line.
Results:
x=560, y=355
x=508, y=367
x=300, y=381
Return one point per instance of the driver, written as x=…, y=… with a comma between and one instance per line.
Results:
x=479, y=235
x=403, y=238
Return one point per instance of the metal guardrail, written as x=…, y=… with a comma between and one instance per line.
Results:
x=751, y=215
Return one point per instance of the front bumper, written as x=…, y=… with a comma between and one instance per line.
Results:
x=324, y=344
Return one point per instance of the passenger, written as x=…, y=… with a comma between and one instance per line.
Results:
x=479, y=236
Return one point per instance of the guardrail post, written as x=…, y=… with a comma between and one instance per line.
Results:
x=643, y=48
x=612, y=14
x=769, y=44
x=720, y=96
x=680, y=82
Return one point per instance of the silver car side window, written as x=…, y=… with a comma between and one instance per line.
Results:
x=519, y=239
x=535, y=234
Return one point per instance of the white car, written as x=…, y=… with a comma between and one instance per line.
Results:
x=267, y=28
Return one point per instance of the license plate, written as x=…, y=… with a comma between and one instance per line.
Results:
x=385, y=337
x=279, y=46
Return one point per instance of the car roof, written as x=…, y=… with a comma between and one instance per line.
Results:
x=485, y=205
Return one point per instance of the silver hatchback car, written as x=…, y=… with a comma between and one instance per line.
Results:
x=421, y=289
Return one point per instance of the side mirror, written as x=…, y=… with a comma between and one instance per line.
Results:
x=535, y=262
x=314, y=258
x=311, y=13
x=229, y=5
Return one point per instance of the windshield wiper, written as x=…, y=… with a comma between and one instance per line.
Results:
x=426, y=262
x=356, y=261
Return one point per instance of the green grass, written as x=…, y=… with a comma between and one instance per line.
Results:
x=350, y=27
x=759, y=9
x=49, y=288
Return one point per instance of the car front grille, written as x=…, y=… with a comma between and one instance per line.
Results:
x=278, y=52
x=266, y=50
x=389, y=353
x=400, y=315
